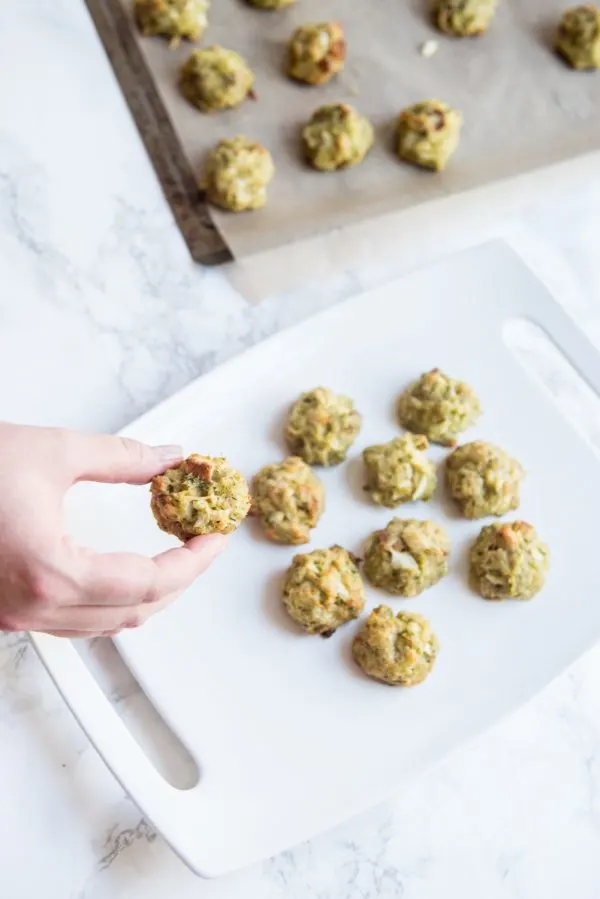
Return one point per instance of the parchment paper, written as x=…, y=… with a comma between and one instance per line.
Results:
x=523, y=107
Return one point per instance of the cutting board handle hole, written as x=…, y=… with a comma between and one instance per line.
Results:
x=160, y=744
x=543, y=360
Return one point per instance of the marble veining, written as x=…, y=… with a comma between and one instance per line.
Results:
x=102, y=314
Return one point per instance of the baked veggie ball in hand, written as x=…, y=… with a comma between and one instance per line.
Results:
x=201, y=495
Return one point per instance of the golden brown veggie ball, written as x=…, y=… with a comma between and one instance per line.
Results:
x=201, y=495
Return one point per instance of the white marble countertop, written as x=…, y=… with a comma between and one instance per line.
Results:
x=101, y=315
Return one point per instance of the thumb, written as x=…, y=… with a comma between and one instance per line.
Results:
x=114, y=460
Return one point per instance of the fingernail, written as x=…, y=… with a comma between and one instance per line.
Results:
x=169, y=454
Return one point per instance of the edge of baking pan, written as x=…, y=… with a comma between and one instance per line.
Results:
x=205, y=243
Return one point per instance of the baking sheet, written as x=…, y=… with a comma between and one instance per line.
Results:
x=523, y=107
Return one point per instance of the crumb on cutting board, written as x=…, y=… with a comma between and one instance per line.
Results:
x=429, y=48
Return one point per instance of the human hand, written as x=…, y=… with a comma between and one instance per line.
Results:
x=47, y=582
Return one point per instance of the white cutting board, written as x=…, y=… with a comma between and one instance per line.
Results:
x=289, y=736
